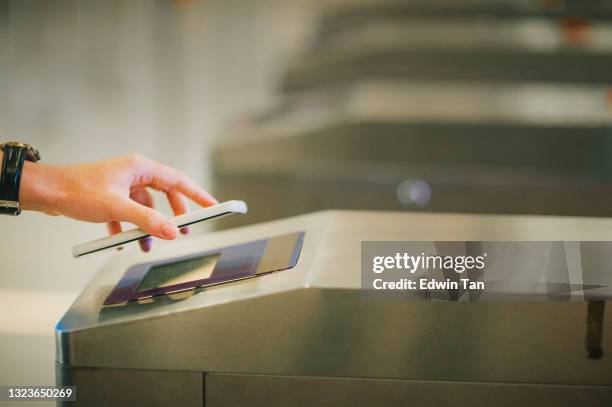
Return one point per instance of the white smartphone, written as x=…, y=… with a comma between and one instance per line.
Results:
x=203, y=215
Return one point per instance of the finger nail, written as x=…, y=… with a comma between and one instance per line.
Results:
x=185, y=230
x=146, y=243
x=169, y=231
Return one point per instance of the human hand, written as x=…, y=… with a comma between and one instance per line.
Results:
x=112, y=191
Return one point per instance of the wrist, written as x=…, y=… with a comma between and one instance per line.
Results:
x=40, y=188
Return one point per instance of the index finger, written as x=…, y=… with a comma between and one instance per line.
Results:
x=165, y=178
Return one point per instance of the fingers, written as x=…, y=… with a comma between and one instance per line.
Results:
x=146, y=243
x=142, y=196
x=165, y=178
x=114, y=228
x=149, y=220
x=179, y=206
x=177, y=186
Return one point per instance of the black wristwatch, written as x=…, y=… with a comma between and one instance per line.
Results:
x=15, y=153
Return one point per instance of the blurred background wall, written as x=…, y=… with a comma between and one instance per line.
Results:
x=496, y=106
x=85, y=80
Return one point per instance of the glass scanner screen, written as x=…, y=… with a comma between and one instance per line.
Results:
x=183, y=271
x=214, y=267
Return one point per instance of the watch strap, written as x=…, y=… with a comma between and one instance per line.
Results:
x=10, y=179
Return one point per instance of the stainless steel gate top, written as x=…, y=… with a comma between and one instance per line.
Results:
x=313, y=319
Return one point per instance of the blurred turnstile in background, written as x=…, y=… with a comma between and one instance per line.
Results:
x=477, y=106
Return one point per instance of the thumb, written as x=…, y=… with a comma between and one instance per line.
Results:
x=149, y=220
